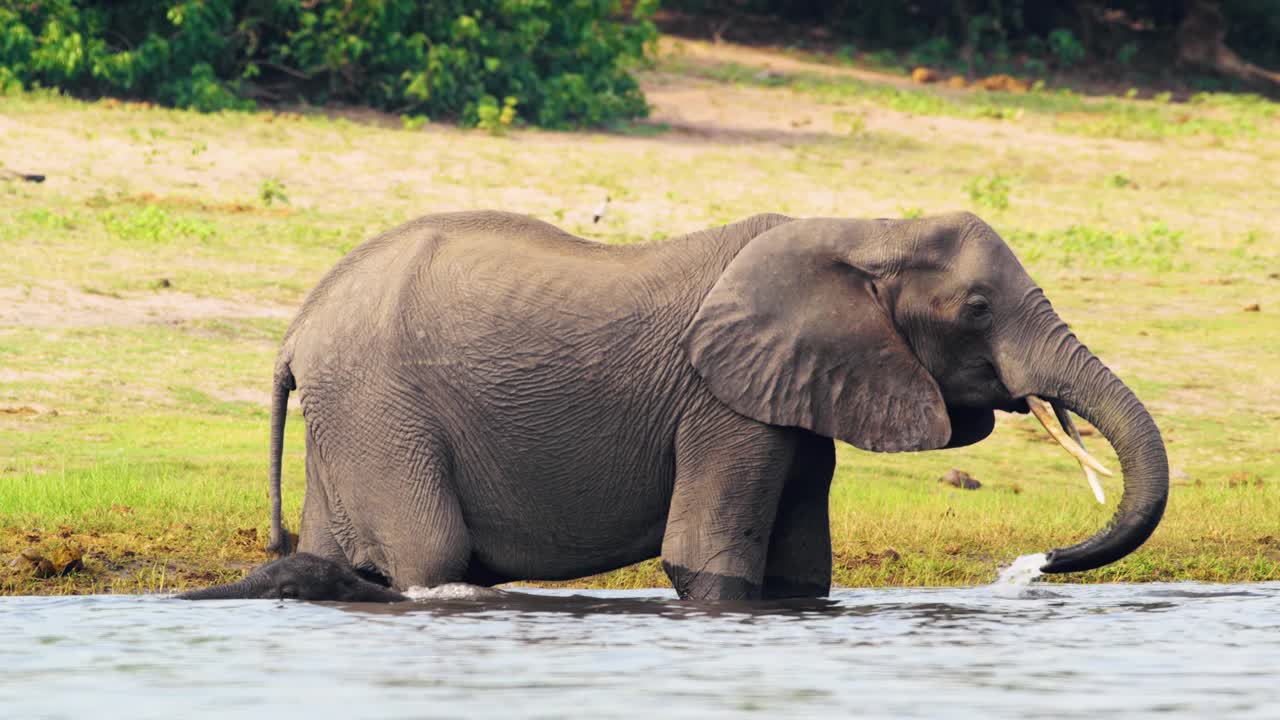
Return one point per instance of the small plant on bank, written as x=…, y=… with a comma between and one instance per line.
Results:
x=271, y=192
x=494, y=119
x=853, y=124
x=413, y=122
x=1118, y=181
x=989, y=191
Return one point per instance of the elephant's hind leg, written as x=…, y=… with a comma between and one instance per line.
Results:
x=316, y=534
x=388, y=508
x=423, y=537
x=799, y=562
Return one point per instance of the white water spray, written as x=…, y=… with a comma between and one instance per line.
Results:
x=1015, y=581
x=453, y=591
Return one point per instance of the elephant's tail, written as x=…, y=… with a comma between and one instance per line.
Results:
x=280, y=388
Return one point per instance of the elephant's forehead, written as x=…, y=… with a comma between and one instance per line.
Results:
x=983, y=256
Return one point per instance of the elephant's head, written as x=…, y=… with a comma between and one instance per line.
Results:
x=301, y=577
x=897, y=335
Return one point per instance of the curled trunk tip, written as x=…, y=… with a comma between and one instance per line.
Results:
x=1122, y=419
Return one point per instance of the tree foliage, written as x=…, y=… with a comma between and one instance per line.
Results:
x=1058, y=32
x=555, y=64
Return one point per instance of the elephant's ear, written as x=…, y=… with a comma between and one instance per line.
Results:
x=795, y=332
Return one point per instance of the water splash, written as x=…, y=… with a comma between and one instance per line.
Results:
x=453, y=591
x=1015, y=581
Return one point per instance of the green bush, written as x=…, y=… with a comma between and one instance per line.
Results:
x=1065, y=47
x=564, y=63
x=998, y=35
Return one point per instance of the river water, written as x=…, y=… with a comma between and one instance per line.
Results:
x=1061, y=651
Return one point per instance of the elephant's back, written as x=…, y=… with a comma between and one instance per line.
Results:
x=466, y=274
x=450, y=279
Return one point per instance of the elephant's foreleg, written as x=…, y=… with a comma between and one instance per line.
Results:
x=799, y=561
x=728, y=481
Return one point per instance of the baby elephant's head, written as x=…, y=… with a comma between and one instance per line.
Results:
x=300, y=577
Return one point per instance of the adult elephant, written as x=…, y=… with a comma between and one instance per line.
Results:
x=489, y=398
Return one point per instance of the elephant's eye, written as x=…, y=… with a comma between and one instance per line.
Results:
x=289, y=592
x=979, y=312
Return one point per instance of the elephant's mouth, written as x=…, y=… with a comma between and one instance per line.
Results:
x=971, y=423
x=1013, y=405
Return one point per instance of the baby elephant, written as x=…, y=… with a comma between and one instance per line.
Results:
x=307, y=577
x=300, y=577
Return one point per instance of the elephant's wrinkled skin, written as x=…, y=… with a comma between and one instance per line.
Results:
x=488, y=398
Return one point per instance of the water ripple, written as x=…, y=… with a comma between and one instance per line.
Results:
x=1172, y=650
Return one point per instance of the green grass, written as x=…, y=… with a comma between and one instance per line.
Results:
x=1155, y=248
x=146, y=284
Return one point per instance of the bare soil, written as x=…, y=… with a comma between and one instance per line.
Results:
x=51, y=306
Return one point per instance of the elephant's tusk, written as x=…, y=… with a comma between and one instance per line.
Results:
x=1044, y=413
x=1064, y=419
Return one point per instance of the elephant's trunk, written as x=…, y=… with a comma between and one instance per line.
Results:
x=1056, y=365
x=249, y=587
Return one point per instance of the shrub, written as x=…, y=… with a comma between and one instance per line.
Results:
x=1126, y=53
x=1065, y=47
x=986, y=33
x=565, y=64
x=935, y=52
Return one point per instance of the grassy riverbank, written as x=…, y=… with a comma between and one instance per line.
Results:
x=145, y=284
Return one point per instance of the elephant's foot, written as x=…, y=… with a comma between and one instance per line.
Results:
x=691, y=585
x=780, y=588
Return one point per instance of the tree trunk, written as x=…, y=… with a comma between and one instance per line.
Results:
x=1201, y=39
